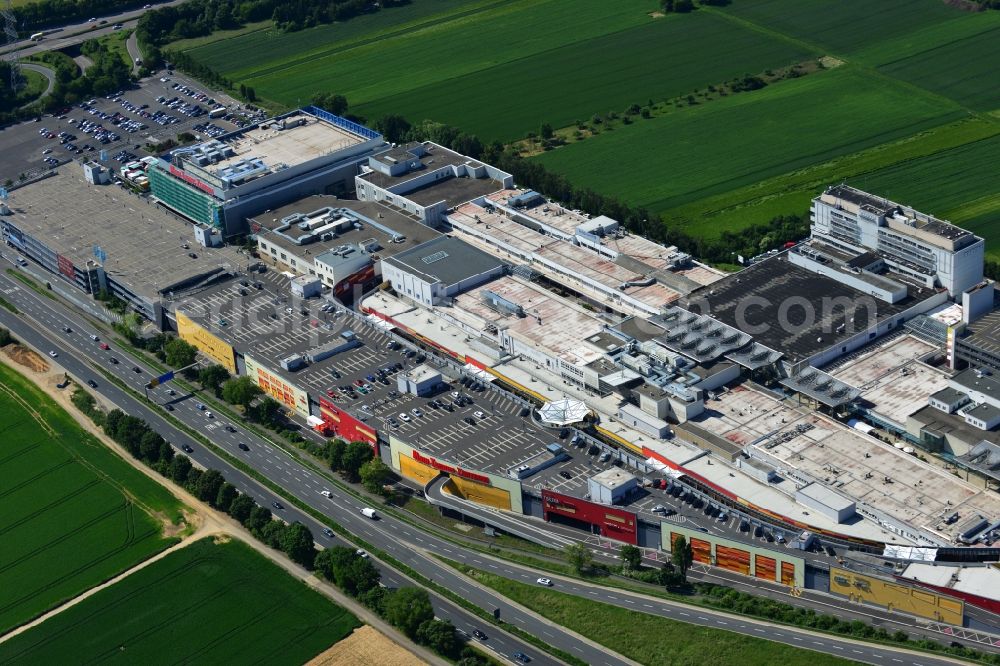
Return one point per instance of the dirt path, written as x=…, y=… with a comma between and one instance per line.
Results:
x=204, y=521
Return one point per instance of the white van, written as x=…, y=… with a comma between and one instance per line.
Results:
x=369, y=513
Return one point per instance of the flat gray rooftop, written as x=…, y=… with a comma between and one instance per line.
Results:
x=435, y=158
x=453, y=190
x=974, y=380
x=143, y=242
x=446, y=260
x=415, y=232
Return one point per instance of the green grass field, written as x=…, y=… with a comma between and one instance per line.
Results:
x=964, y=70
x=657, y=59
x=561, y=67
x=729, y=143
x=912, y=70
x=648, y=639
x=842, y=27
x=952, y=184
x=73, y=511
x=237, y=55
x=205, y=603
x=790, y=192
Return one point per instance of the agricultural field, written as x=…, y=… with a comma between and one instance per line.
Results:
x=561, y=67
x=236, y=53
x=842, y=27
x=207, y=603
x=75, y=514
x=954, y=184
x=658, y=59
x=791, y=192
x=699, y=151
x=910, y=73
x=722, y=166
x=964, y=70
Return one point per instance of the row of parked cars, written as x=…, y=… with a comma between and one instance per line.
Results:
x=210, y=129
x=193, y=93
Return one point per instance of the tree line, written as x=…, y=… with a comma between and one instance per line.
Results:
x=638, y=220
x=407, y=608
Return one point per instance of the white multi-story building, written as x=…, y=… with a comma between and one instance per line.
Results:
x=914, y=244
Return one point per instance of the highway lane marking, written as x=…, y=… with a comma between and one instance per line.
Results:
x=836, y=647
x=796, y=638
x=647, y=606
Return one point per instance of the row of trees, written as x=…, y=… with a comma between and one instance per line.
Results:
x=748, y=604
x=407, y=608
x=673, y=574
x=197, y=18
x=724, y=249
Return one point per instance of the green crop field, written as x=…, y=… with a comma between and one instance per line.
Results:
x=205, y=603
x=964, y=70
x=649, y=639
x=234, y=54
x=912, y=69
x=790, y=192
x=842, y=27
x=73, y=511
x=956, y=184
x=657, y=59
x=561, y=67
x=696, y=152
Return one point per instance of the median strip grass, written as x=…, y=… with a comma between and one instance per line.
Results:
x=30, y=283
x=647, y=638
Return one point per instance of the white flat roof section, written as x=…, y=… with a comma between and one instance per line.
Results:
x=846, y=460
x=891, y=379
x=827, y=497
x=980, y=581
x=295, y=145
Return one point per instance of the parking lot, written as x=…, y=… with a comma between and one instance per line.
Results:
x=128, y=122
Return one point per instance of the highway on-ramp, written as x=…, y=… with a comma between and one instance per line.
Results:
x=42, y=324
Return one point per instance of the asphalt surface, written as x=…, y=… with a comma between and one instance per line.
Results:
x=77, y=33
x=43, y=328
x=45, y=334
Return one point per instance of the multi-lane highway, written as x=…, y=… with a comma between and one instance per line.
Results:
x=77, y=33
x=42, y=323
